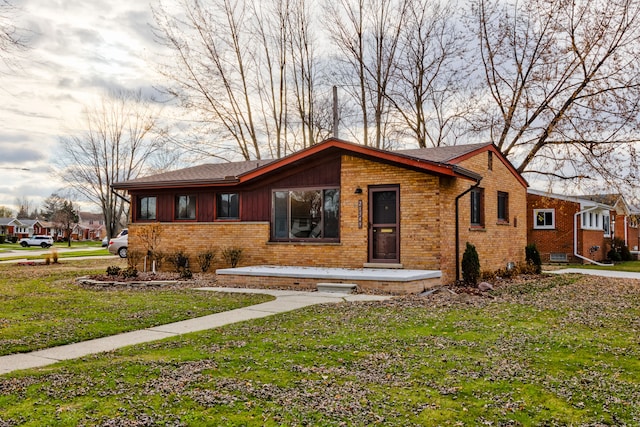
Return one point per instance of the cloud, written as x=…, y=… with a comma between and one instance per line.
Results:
x=17, y=154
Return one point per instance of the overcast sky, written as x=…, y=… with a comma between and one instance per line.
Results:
x=79, y=50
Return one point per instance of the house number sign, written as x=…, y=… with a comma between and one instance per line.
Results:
x=359, y=213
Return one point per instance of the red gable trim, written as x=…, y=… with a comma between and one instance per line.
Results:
x=503, y=159
x=333, y=143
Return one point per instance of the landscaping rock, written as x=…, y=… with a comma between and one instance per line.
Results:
x=485, y=286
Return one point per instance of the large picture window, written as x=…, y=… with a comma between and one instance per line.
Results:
x=185, y=207
x=147, y=208
x=306, y=214
x=227, y=206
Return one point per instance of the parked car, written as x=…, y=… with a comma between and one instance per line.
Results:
x=105, y=241
x=42, y=241
x=118, y=245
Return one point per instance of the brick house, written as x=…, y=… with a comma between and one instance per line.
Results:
x=338, y=204
x=578, y=228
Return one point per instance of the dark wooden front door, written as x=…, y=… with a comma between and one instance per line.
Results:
x=384, y=224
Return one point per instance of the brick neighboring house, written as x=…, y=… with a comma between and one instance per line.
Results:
x=90, y=226
x=338, y=204
x=8, y=226
x=578, y=228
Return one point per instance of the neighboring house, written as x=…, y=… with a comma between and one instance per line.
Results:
x=338, y=204
x=30, y=227
x=8, y=226
x=90, y=227
x=578, y=228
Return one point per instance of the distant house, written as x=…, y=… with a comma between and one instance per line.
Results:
x=578, y=228
x=338, y=204
x=90, y=226
x=30, y=227
x=8, y=226
x=18, y=228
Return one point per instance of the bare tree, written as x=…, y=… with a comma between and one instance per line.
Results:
x=247, y=70
x=430, y=89
x=26, y=208
x=11, y=41
x=212, y=68
x=119, y=140
x=563, y=84
x=65, y=219
x=5, y=212
x=367, y=34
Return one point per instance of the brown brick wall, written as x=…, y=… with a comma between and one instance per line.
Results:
x=497, y=244
x=559, y=239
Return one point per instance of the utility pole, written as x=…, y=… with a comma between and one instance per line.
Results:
x=335, y=111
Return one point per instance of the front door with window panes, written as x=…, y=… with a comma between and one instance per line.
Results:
x=384, y=217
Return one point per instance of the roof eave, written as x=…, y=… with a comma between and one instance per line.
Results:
x=174, y=184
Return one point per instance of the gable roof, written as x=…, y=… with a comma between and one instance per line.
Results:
x=10, y=221
x=439, y=161
x=583, y=201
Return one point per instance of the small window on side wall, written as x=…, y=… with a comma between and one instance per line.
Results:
x=227, y=206
x=147, y=208
x=477, y=207
x=185, y=207
x=503, y=207
x=544, y=219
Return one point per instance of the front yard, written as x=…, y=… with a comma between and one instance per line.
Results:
x=555, y=351
x=42, y=306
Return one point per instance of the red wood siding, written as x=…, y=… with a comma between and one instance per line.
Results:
x=255, y=198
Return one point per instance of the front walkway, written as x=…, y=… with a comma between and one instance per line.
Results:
x=285, y=301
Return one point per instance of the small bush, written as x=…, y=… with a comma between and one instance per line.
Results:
x=157, y=256
x=179, y=260
x=54, y=255
x=508, y=273
x=130, y=272
x=529, y=268
x=186, y=274
x=205, y=259
x=488, y=276
x=134, y=258
x=3, y=238
x=532, y=256
x=232, y=256
x=614, y=255
x=470, y=265
x=113, y=270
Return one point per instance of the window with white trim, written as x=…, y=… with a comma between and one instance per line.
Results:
x=606, y=225
x=544, y=219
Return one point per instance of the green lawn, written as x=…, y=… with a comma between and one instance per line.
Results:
x=558, y=351
x=42, y=306
x=631, y=266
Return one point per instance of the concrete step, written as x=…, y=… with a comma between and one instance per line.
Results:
x=343, y=288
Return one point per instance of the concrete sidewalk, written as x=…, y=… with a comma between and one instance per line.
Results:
x=285, y=301
x=602, y=273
